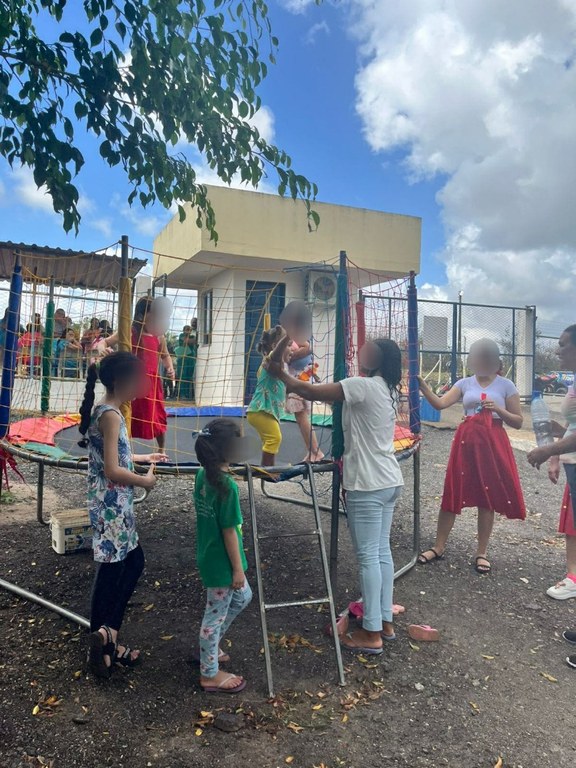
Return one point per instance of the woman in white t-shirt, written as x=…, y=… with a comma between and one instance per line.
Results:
x=481, y=471
x=372, y=477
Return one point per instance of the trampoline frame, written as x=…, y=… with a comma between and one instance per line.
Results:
x=246, y=471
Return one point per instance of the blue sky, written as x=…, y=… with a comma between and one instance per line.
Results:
x=311, y=95
x=461, y=113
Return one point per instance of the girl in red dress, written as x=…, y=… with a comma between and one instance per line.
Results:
x=481, y=470
x=148, y=421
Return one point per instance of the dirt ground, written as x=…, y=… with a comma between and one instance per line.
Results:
x=495, y=691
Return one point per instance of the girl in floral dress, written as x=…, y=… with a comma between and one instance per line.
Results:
x=220, y=552
x=111, y=482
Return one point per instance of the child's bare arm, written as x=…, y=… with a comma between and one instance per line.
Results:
x=232, y=544
x=110, y=428
x=302, y=351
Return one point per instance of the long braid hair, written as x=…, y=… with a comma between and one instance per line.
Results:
x=112, y=370
x=213, y=449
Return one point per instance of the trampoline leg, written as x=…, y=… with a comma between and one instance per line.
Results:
x=31, y=597
x=415, y=520
x=326, y=573
x=40, y=495
x=259, y=582
x=334, y=527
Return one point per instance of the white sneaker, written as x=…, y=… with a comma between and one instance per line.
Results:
x=564, y=590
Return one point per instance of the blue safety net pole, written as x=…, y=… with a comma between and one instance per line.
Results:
x=10, y=347
x=340, y=352
x=413, y=357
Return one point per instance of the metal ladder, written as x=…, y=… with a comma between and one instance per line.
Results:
x=265, y=606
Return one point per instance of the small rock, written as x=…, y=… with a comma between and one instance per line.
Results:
x=80, y=719
x=533, y=607
x=228, y=722
x=419, y=687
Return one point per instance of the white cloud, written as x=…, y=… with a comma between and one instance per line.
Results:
x=297, y=6
x=28, y=193
x=315, y=30
x=481, y=96
x=102, y=225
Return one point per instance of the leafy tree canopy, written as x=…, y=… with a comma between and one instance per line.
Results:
x=142, y=76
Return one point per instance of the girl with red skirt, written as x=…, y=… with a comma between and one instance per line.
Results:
x=566, y=588
x=481, y=471
x=148, y=419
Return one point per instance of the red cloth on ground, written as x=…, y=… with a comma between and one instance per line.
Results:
x=148, y=413
x=482, y=471
x=566, y=523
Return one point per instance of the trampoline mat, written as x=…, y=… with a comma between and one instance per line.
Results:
x=181, y=437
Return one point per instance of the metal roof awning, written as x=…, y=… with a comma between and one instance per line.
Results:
x=71, y=269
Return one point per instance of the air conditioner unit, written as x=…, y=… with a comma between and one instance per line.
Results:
x=321, y=288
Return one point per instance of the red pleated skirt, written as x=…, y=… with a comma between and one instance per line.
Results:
x=566, y=524
x=482, y=471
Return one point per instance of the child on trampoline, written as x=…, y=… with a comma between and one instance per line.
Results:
x=111, y=482
x=220, y=552
x=296, y=319
x=267, y=405
x=149, y=344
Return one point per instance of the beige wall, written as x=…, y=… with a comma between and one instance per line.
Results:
x=252, y=225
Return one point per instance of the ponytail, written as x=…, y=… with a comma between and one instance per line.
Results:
x=88, y=403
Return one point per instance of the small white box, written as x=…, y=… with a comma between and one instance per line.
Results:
x=71, y=531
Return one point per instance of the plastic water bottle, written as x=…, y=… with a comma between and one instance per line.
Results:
x=541, y=420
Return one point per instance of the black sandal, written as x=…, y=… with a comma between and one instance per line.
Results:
x=98, y=649
x=125, y=659
x=427, y=560
x=483, y=570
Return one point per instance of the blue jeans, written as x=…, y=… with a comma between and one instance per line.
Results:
x=223, y=605
x=370, y=519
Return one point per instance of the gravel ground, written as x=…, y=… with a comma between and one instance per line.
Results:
x=495, y=691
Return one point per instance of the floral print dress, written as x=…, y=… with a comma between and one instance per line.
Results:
x=111, y=506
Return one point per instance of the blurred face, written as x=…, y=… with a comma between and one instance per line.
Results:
x=370, y=357
x=138, y=385
x=566, y=352
x=483, y=361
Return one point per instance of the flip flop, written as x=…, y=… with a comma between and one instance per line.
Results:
x=342, y=623
x=483, y=570
x=218, y=688
x=422, y=560
x=356, y=609
x=424, y=633
x=359, y=648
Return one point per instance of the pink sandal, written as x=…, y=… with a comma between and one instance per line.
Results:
x=424, y=633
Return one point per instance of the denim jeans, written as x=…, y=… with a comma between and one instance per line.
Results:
x=370, y=519
x=223, y=605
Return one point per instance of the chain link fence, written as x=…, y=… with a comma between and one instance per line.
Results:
x=448, y=329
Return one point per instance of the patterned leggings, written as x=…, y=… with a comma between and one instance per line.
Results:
x=223, y=605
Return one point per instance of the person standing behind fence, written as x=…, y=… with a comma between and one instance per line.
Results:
x=481, y=471
x=149, y=419
x=69, y=355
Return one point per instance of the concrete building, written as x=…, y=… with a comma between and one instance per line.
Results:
x=265, y=257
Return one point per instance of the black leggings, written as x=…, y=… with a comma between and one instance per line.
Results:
x=570, y=470
x=113, y=588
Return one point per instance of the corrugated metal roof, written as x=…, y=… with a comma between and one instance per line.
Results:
x=72, y=269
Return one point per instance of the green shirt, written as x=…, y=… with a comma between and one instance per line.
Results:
x=214, y=512
x=269, y=395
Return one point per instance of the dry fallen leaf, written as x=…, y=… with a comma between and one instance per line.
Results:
x=413, y=646
x=206, y=714
x=149, y=607
x=475, y=706
x=488, y=658
x=498, y=763
x=362, y=659
x=295, y=727
x=36, y=710
x=524, y=580
x=289, y=760
x=344, y=718
x=77, y=674
x=316, y=707
x=166, y=637
x=321, y=695
x=548, y=677
x=198, y=732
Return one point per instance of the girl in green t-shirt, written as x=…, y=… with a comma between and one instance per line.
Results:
x=220, y=552
x=267, y=405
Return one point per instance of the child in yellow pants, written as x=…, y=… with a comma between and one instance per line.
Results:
x=267, y=405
